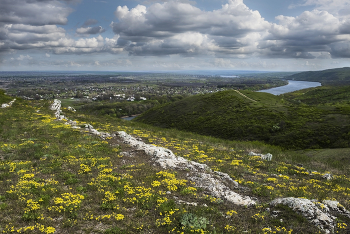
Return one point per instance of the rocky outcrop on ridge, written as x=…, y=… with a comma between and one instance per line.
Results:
x=56, y=106
x=201, y=174
x=220, y=184
x=5, y=105
x=316, y=212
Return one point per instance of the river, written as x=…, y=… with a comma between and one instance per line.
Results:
x=291, y=87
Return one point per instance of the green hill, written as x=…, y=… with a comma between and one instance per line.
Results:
x=59, y=179
x=323, y=95
x=337, y=75
x=270, y=118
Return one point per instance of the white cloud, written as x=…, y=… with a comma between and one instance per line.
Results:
x=177, y=29
x=24, y=57
x=174, y=27
x=90, y=30
x=304, y=36
x=34, y=12
x=337, y=7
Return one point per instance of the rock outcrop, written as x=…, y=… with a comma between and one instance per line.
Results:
x=316, y=212
x=219, y=184
x=267, y=156
x=5, y=105
x=56, y=106
x=201, y=174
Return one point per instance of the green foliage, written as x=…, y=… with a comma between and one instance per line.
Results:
x=4, y=98
x=192, y=221
x=271, y=119
x=167, y=206
x=337, y=75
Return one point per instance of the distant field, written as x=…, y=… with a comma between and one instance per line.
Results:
x=327, y=159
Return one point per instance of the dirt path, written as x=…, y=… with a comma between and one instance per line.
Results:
x=245, y=96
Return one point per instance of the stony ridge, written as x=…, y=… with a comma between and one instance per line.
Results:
x=319, y=214
x=5, y=105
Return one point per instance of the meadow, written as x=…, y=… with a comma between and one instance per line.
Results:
x=58, y=179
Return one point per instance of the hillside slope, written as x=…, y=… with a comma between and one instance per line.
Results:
x=58, y=176
x=270, y=119
x=337, y=75
x=323, y=95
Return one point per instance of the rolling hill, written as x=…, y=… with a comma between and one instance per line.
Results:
x=269, y=118
x=337, y=75
x=62, y=175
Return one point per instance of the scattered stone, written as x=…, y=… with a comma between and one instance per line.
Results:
x=126, y=154
x=186, y=203
x=327, y=176
x=131, y=209
x=71, y=109
x=267, y=156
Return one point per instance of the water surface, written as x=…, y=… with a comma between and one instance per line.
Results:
x=291, y=87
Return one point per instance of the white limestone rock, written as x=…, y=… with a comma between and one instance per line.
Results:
x=337, y=207
x=186, y=203
x=6, y=105
x=90, y=129
x=199, y=173
x=56, y=106
x=267, y=156
x=327, y=176
x=320, y=217
x=71, y=109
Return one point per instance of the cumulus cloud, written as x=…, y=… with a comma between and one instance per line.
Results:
x=340, y=49
x=20, y=36
x=175, y=27
x=24, y=57
x=34, y=12
x=90, y=30
x=32, y=24
x=178, y=28
x=85, y=45
x=85, y=30
x=302, y=36
x=340, y=7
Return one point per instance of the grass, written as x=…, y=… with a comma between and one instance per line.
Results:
x=64, y=180
x=276, y=120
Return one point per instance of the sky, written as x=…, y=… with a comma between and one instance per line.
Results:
x=157, y=35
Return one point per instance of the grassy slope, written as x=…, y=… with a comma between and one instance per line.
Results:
x=323, y=95
x=338, y=74
x=271, y=119
x=57, y=178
